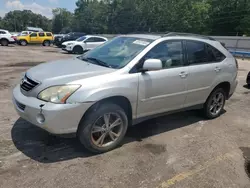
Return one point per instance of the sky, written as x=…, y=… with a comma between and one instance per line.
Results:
x=43, y=7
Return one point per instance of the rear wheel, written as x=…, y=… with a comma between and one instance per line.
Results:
x=23, y=42
x=77, y=50
x=215, y=103
x=46, y=43
x=4, y=42
x=103, y=128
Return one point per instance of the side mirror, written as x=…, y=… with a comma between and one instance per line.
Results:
x=152, y=65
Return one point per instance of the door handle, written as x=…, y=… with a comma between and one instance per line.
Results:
x=183, y=74
x=217, y=69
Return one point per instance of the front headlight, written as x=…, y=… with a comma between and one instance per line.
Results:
x=58, y=94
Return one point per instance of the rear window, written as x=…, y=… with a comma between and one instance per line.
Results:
x=49, y=34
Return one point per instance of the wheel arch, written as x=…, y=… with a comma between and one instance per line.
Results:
x=4, y=39
x=119, y=100
x=226, y=86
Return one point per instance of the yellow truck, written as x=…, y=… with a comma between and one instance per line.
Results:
x=44, y=38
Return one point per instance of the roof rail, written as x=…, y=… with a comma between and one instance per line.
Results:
x=188, y=34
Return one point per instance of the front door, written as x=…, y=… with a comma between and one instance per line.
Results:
x=163, y=90
x=34, y=38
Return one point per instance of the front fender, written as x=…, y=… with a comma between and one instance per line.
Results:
x=95, y=95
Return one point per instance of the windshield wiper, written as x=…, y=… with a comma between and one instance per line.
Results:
x=96, y=61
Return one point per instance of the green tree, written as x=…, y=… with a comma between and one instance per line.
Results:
x=62, y=19
x=18, y=20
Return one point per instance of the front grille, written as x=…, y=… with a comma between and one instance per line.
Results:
x=63, y=46
x=27, y=84
x=20, y=105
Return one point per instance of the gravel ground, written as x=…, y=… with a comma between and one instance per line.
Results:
x=180, y=151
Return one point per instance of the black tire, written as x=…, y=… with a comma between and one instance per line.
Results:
x=78, y=50
x=86, y=125
x=4, y=42
x=23, y=42
x=208, y=105
x=247, y=167
x=46, y=43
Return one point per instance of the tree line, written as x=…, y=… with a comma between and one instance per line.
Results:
x=211, y=17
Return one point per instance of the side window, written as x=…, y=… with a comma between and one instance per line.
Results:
x=33, y=35
x=169, y=52
x=2, y=32
x=218, y=55
x=91, y=39
x=97, y=39
x=48, y=34
x=41, y=34
x=196, y=52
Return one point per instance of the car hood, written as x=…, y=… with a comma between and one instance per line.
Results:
x=65, y=71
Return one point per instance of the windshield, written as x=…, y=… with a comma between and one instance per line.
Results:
x=118, y=52
x=81, y=39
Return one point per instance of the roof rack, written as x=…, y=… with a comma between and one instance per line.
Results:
x=188, y=34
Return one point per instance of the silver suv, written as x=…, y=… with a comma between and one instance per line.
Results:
x=125, y=81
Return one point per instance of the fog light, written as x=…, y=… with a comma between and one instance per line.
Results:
x=40, y=118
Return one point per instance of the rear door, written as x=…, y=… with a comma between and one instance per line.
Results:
x=203, y=71
x=41, y=37
x=93, y=42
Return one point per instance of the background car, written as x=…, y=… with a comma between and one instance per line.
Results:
x=24, y=33
x=45, y=38
x=83, y=44
x=6, y=38
x=248, y=79
x=68, y=37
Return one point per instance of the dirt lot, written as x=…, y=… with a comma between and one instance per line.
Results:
x=179, y=151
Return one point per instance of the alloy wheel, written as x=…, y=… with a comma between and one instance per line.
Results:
x=216, y=104
x=106, y=129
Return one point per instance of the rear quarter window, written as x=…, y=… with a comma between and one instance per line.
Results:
x=49, y=34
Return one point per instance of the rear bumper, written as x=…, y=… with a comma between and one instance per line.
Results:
x=233, y=88
x=12, y=42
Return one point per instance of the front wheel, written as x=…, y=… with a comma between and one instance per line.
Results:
x=215, y=103
x=77, y=50
x=103, y=128
x=23, y=42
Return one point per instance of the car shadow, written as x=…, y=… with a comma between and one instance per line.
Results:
x=246, y=86
x=246, y=156
x=45, y=148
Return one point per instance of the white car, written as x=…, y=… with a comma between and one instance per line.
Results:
x=24, y=33
x=83, y=44
x=6, y=38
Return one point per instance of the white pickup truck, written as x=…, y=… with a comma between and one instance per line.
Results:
x=6, y=38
